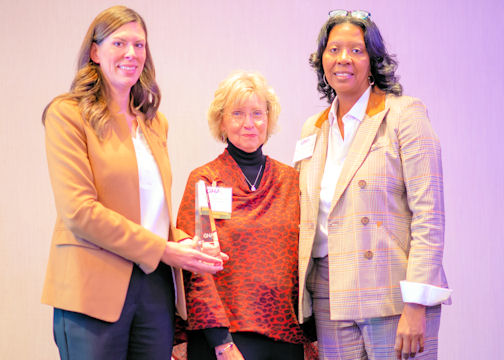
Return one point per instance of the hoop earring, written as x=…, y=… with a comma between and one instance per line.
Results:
x=371, y=80
x=325, y=80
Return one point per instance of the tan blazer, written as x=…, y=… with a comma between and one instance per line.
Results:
x=386, y=221
x=97, y=236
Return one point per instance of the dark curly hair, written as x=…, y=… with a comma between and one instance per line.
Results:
x=383, y=65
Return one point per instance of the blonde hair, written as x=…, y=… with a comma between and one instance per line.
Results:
x=235, y=89
x=88, y=86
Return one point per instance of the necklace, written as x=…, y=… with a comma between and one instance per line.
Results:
x=252, y=186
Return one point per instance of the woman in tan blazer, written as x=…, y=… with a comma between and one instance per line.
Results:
x=114, y=256
x=372, y=212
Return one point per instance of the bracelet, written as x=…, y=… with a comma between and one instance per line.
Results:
x=229, y=347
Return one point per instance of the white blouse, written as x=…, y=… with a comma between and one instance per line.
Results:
x=153, y=208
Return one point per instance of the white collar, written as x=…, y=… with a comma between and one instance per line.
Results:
x=357, y=112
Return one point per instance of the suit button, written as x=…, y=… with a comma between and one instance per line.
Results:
x=362, y=184
x=364, y=220
x=368, y=254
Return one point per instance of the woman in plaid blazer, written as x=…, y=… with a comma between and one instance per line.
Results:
x=372, y=212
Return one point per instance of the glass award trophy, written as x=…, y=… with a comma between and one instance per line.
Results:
x=208, y=241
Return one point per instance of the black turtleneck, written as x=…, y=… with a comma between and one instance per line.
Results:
x=249, y=163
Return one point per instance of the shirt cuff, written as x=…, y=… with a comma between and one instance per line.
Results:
x=424, y=294
x=217, y=336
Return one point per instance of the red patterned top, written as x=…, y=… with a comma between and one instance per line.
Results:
x=258, y=289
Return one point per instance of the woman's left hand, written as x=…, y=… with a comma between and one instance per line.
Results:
x=194, y=244
x=183, y=255
x=410, y=331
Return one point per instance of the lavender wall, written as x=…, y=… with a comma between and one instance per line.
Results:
x=450, y=56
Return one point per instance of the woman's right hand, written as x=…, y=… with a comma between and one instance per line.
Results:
x=184, y=255
x=228, y=353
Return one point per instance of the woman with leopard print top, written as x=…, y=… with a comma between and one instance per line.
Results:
x=248, y=310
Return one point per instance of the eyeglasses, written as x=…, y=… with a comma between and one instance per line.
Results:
x=359, y=14
x=239, y=116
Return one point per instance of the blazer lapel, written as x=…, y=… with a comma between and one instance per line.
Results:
x=375, y=113
x=317, y=162
x=159, y=151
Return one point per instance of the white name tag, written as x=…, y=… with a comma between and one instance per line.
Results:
x=220, y=201
x=304, y=148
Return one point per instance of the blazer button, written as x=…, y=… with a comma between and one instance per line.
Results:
x=364, y=220
x=362, y=184
x=368, y=254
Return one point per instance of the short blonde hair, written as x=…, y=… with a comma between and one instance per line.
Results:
x=235, y=89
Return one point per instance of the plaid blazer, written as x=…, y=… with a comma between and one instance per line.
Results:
x=386, y=221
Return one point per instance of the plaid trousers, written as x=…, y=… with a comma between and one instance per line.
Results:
x=372, y=338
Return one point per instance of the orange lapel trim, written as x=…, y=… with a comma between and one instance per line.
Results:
x=375, y=105
x=376, y=102
x=323, y=117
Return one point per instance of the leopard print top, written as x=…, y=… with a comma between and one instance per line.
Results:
x=258, y=289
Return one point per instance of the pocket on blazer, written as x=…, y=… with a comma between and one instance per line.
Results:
x=402, y=240
x=379, y=143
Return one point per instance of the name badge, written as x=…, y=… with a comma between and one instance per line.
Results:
x=304, y=148
x=220, y=202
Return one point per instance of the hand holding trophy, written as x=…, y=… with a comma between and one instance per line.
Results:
x=205, y=230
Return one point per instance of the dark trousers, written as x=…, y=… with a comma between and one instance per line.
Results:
x=144, y=330
x=253, y=346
